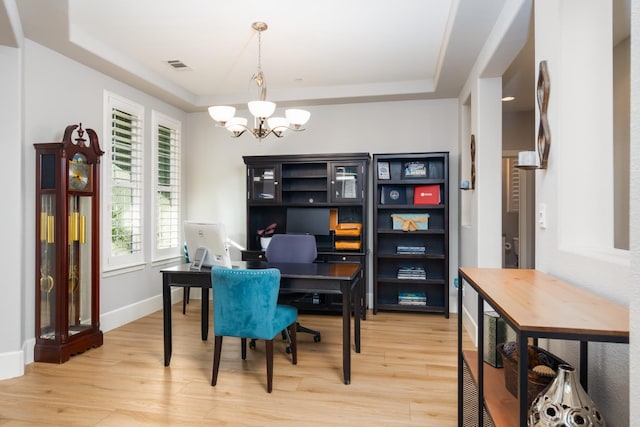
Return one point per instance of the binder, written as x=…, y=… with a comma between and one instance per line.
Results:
x=426, y=195
x=393, y=195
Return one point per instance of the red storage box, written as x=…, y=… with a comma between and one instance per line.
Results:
x=426, y=195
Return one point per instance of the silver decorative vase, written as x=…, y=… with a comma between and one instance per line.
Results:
x=564, y=403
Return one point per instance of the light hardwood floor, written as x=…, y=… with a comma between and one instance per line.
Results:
x=405, y=375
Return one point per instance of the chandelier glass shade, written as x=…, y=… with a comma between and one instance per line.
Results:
x=262, y=110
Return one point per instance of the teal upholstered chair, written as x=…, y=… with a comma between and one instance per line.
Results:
x=245, y=305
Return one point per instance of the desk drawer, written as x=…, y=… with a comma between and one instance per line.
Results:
x=253, y=256
x=341, y=258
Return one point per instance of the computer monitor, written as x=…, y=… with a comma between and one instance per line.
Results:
x=212, y=237
x=308, y=221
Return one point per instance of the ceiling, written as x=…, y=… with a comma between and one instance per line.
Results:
x=314, y=52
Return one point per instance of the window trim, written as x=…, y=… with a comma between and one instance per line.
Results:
x=160, y=119
x=110, y=262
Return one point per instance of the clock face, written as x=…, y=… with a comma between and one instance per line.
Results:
x=79, y=173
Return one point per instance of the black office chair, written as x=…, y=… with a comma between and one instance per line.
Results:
x=294, y=248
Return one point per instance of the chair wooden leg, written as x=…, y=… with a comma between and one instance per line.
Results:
x=217, y=348
x=269, y=350
x=293, y=345
x=243, y=345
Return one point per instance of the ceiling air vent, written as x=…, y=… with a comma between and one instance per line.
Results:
x=178, y=65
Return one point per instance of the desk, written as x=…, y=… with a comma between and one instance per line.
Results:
x=322, y=278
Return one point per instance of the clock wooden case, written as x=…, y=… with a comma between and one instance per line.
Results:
x=67, y=258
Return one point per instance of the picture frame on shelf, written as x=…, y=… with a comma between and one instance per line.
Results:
x=383, y=170
x=414, y=169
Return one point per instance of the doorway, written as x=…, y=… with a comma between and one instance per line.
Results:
x=518, y=134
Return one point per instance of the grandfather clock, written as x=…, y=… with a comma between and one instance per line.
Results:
x=67, y=246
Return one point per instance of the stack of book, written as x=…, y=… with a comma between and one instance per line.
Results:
x=411, y=250
x=412, y=298
x=415, y=273
x=267, y=175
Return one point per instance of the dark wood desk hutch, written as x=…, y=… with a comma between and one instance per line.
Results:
x=317, y=194
x=411, y=232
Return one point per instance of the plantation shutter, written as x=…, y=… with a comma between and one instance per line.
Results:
x=167, y=188
x=126, y=183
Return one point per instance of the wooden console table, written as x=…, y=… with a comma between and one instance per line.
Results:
x=535, y=305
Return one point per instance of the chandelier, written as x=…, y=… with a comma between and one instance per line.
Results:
x=264, y=124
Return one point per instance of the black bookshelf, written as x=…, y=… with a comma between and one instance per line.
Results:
x=411, y=232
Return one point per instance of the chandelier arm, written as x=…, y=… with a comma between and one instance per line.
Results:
x=280, y=133
x=265, y=133
x=261, y=131
x=234, y=134
x=288, y=128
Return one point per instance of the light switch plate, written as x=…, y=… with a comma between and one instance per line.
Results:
x=542, y=216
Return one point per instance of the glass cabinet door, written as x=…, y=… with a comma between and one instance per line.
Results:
x=79, y=257
x=346, y=182
x=263, y=183
x=47, y=267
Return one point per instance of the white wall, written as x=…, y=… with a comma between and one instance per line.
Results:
x=11, y=221
x=621, y=117
x=216, y=188
x=634, y=304
x=577, y=187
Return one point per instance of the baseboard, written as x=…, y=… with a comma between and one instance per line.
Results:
x=129, y=313
x=28, y=349
x=469, y=324
x=12, y=364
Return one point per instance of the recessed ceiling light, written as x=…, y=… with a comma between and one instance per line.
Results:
x=508, y=98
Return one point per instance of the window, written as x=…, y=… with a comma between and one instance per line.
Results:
x=167, y=206
x=124, y=182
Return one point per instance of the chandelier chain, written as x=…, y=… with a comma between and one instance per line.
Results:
x=259, y=50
